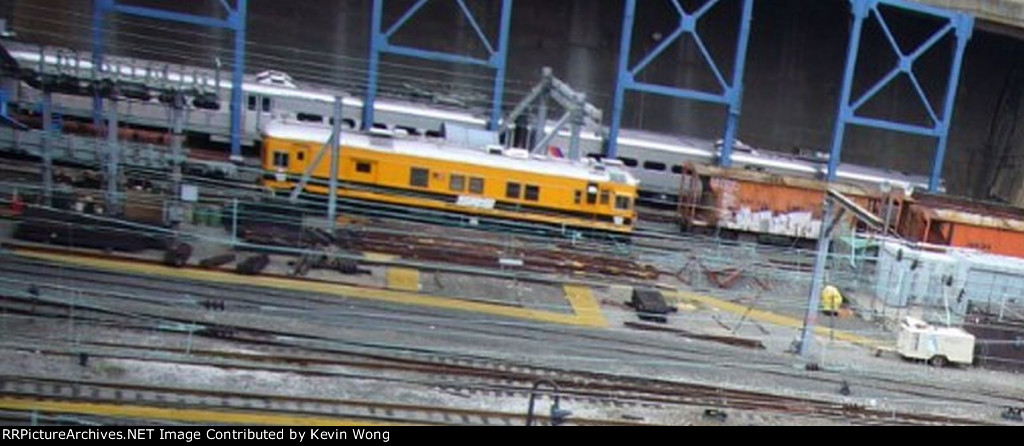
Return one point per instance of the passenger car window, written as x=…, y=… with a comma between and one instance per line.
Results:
x=419, y=177
x=622, y=203
x=513, y=190
x=532, y=193
x=281, y=159
x=457, y=183
x=476, y=186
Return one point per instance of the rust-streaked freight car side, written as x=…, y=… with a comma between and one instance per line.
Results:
x=761, y=203
x=960, y=222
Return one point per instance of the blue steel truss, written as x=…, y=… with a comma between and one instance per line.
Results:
x=380, y=42
x=959, y=23
x=235, y=21
x=732, y=92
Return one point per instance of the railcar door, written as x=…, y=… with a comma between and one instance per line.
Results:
x=258, y=110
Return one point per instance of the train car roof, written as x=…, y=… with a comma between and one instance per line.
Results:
x=139, y=69
x=741, y=174
x=319, y=134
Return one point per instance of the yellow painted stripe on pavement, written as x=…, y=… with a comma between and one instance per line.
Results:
x=404, y=279
x=202, y=416
x=335, y=289
x=585, y=305
x=769, y=317
x=379, y=257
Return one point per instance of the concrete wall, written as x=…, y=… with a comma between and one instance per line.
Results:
x=794, y=70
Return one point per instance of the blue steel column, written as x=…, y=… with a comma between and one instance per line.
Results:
x=964, y=29
x=237, y=20
x=732, y=89
x=376, y=39
x=962, y=24
x=380, y=43
x=100, y=9
x=860, y=12
x=736, y=91
x=499, y=60
x=624, y=77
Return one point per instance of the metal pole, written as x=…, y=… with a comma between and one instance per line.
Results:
x=47, y=171
x=99, y=18
x=177, y=131
x=234, y=221
x=332, y=200
x=817, y=280
x=575, y=126
x=542, y=121
x=113, y=157
x=238, y=20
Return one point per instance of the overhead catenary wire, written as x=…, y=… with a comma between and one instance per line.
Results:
x=392, y=81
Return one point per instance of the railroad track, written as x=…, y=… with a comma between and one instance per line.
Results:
x=495, y=377
x=51, y=389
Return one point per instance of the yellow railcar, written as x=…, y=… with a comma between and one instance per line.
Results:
x=433, y=175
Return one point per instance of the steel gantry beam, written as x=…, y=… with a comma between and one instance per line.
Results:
x=380, y=42
x=235, y=21
x=960, y=24
x=731, y=94
x=578, y=112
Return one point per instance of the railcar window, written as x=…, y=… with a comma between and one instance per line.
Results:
x=629, y=162
x=532, y=193
x=605, y=197
x=513, y=190
x=677, y=169
x=347, y=123
x=622, y=203
x=409, y=130
x=476, y=186
x=579, y=197
x=419, y=177
x=281, y=159
x=301, y=156
x=364, y=167
x=654, y=165
x=457, y=183
x=310, y=117
x=252, y=103
x=266, y=105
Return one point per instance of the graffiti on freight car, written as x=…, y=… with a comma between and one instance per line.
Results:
x=980, y=246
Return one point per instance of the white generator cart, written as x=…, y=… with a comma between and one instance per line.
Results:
x=937, y=345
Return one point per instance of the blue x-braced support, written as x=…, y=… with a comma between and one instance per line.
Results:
x=380, y=42
x=235, y=21
x=731, y=94
x=959, y=23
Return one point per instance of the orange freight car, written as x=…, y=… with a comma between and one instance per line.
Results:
x=959, y=222
x=745, y=201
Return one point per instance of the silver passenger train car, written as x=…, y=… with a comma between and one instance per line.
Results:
x=655, y=159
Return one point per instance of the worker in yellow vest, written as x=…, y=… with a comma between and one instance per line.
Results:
x=831, y=300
